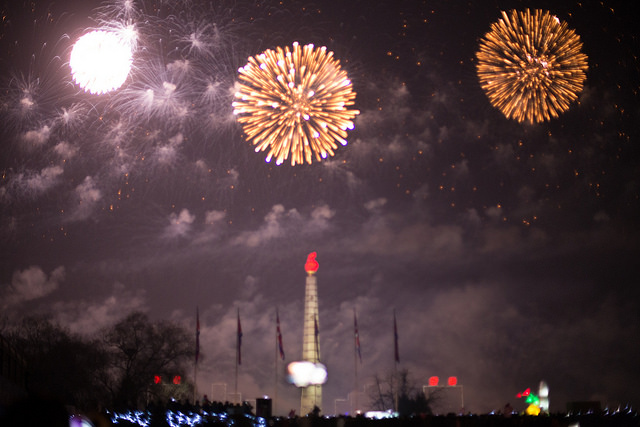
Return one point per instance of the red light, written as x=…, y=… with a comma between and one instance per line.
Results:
x=524, y=393
x=157, y=379
x=177, y=379
x=311, y=266
x=433, y=381
x=452, y=381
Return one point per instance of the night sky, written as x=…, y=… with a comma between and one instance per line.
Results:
x=508, y=250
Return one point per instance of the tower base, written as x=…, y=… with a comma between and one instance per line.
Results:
x=311, y=397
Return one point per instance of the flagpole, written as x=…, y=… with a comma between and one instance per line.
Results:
x=195, y=382
x=195, y=365
x=396, y=357
x=275, y=384
x=355, y=358
x=237, y=355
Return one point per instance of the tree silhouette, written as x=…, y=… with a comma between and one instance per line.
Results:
x=396, y=391
x=137, y=351
x=114, y=369
x=60, y=364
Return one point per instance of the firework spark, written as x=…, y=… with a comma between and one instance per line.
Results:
x=531, y=66
x=294, y=102
x=101, y=60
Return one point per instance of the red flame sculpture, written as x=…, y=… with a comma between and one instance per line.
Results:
x=311, y=266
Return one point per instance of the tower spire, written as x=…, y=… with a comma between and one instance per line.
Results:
x=311, y=395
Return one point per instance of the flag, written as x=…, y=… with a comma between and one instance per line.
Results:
x=279, y=335
x=395, y=337
x=356, y=335
x=239, y=340
x=197, y=335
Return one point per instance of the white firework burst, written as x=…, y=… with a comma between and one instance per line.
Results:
x=100, y=61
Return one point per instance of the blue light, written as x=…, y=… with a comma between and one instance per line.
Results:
x=137, y=417
x=181, y=419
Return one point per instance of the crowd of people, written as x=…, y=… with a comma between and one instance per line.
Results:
x=205, y=413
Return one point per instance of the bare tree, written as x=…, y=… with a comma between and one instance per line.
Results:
x=138, y=350
x=396, y=391
x=60, y=364
x=116, y=370
x=382, y=395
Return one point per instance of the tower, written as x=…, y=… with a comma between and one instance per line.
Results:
x=543, y=394
x=312, y=394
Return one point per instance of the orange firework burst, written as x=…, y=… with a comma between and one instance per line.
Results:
x=295, y=103
x=531, y=66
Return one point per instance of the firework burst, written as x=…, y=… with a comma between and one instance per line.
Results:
x=295, y=103
x=101, y=60
x=531, y=66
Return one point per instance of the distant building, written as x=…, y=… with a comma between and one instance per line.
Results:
x=218, y=392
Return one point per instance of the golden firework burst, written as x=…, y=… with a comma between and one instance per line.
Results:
x=295, y=102
x=531, y=65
